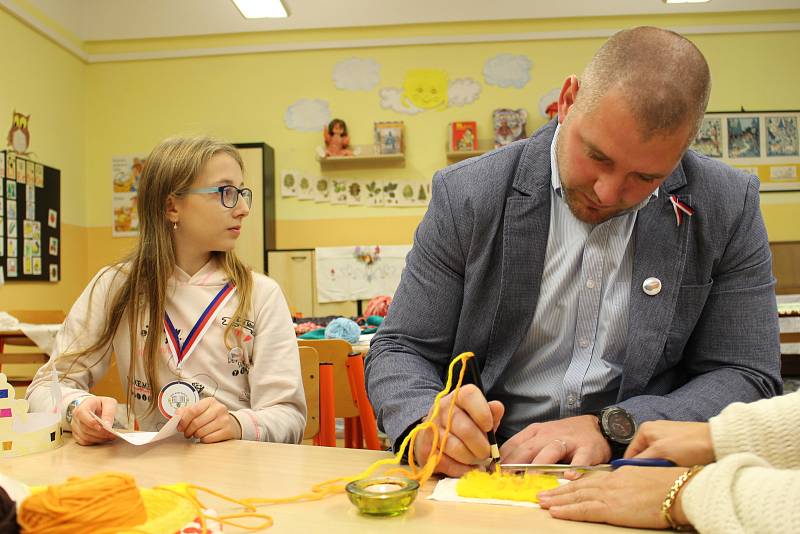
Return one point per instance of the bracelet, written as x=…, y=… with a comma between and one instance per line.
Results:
x=672, y=496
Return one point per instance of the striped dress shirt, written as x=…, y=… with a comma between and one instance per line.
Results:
x=570, y=361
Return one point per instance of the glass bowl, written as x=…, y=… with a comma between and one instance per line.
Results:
x=382, y=496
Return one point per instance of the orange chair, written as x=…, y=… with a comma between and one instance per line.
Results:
x=343, y=394
x=309, y=368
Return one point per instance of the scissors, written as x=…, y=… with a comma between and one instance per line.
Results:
x=562, y=468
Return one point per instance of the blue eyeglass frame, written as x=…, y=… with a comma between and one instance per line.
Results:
x=221, y=190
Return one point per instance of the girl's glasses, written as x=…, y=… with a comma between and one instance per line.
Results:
x=228, y=194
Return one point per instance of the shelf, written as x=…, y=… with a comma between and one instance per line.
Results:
x=484, y=146
x=366, y=156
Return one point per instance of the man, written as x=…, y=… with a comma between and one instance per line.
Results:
x=602, y=274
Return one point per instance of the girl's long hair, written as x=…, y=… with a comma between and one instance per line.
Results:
x=170, y=170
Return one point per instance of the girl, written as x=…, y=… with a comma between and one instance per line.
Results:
x=195, y=332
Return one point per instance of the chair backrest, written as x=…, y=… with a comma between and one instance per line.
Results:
x=25, y=362
x=336, y=351
x=309, y=368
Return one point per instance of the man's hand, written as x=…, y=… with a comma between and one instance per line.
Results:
x=684, y=443
x=86, y=429
x=209, y=421
x=467, y=443
x=574, y=439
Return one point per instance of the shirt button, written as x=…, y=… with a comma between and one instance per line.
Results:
x=571, y=399
x=590, y=283
x=583, y=343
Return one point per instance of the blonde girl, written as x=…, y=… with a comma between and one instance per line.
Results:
x=195, y=332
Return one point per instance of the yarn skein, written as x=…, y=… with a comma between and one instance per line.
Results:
x=106, y=502
x=341, y=328
x=378, y=306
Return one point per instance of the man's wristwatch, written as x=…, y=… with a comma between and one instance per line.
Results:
x=618, y=427
x=72, y=406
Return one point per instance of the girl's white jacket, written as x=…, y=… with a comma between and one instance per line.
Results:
x=261, y=387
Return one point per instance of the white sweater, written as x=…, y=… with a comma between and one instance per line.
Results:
x=754, y=487
x=263, y=390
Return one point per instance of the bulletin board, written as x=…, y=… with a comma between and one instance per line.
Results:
x=762, y=143
x=30, y=225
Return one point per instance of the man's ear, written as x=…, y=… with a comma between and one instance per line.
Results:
x=569, y=92
x=172, y=211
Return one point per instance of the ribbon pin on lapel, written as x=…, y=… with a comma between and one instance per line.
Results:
x=680, y=208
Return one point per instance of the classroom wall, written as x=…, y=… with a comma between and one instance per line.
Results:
x=42, y=79
x=127, y=107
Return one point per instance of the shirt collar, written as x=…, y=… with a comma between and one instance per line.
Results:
x=555, y=177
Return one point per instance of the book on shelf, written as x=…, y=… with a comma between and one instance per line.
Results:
x=463, y=136
x=389, y=137
x=509, y=125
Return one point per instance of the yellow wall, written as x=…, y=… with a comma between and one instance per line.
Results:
x=43, y=80
x=108, y=109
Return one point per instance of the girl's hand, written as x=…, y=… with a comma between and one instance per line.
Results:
x=86, y=429
x=209, y=421
x=628, y=497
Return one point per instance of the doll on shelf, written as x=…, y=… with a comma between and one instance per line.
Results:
x=336, y=139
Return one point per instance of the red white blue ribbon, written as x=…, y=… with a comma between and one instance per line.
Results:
x=680, y=208
x=200, y=327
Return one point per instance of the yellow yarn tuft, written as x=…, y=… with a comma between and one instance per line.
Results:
x=507, y=486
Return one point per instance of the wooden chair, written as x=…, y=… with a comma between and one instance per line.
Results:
x=18, y=339
x=309, y=368
x=347, y=398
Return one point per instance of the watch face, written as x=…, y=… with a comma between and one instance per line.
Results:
x=620, y=426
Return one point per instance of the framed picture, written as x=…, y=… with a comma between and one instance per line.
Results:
x=763, y=143
x=389, y=137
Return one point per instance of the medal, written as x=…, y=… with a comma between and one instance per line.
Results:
x=177, y=394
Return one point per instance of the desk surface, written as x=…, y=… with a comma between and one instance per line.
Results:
x=250, y=469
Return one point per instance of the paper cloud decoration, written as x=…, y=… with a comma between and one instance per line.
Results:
x=548, y=104
x=356, y=74
x=507, y=70
x=463, y=91
x=392, y=98
x=307, y=115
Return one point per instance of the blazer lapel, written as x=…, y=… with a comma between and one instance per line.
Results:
x=526, y=224
x=660, y=252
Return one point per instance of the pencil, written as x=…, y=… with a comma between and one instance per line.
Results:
x=472, y=363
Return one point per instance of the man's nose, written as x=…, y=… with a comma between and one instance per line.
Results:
x=608, y=189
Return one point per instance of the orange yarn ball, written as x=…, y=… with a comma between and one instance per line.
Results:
x=105, y=502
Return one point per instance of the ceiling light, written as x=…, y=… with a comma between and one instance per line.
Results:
x=261, y=9
x=686, y=1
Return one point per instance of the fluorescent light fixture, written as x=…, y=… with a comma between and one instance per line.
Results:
x=261, y=9
x=686, y=1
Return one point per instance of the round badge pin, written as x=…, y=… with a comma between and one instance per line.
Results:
x=652, y=286
x=177, y=394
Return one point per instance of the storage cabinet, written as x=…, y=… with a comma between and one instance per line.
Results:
x=295, y=272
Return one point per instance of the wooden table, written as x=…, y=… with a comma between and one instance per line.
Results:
x=250, y=469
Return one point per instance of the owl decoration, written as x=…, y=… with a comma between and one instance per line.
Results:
x=19, y=137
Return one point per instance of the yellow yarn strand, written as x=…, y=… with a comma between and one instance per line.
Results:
x=421, y=475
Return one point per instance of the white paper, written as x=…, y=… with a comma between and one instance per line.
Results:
x=143, y=438
x=445, y=490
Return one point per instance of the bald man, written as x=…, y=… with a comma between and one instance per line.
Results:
x=603, y=275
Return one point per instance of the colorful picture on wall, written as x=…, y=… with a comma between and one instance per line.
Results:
x=19, y=135
x=125, y=174
x=509, y=125
x=389, y=137
x=744, y=137
x=782, y=136
x=709, y=138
